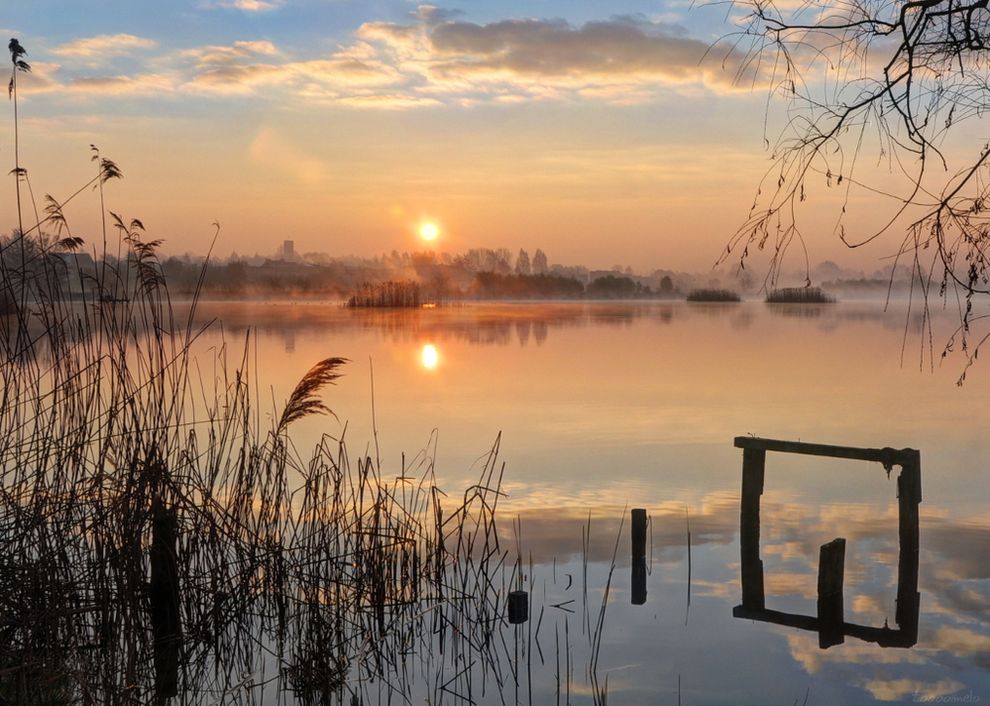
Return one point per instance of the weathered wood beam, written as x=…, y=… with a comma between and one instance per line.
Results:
x=885, y=637
x=887, y=456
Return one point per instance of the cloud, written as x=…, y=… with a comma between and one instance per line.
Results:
x=543, y=48
x=121, y=85
x=438, y=58
x=901, y=689
x=351, y=77
x=432, y=15
x=394, y=101
x=103, y=46
x=52, y=79
x=42, y=78
x=246, y=5
x=963, y=642
x=594, y=58
x=211, y=55
x=813, y=659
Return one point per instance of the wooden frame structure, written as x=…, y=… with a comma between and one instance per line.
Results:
x=829, y=622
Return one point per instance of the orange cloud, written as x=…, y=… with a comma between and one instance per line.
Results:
x=240, y=50
x=103, y=46
x=121, y=85
x=904, y=689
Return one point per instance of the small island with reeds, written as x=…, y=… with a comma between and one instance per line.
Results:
x=390, y=294
x=713, y=295
x=799, y=295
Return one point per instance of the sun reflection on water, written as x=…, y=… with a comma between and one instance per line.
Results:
x=429, y=356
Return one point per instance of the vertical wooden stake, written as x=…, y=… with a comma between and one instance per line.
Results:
x=638, y=582
x=831, y=567
x=638, y=573
x=166, y=625
x=638, y=525
x=754, y=462
x=908, y=498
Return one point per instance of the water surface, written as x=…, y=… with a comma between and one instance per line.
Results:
x=606, y=407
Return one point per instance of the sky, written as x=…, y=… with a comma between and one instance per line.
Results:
x=603, y=133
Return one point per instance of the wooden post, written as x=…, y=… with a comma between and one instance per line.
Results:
x=638, y=582
x=166, y=625
x=831, y=566
x=518, y=607
x=638, y=572
x=754, y=462
x=908, y=498
x=638, y=525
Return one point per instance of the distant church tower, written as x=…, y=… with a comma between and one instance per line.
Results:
x=288, y=250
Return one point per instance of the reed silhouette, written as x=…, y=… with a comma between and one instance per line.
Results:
x=799, y=295
x=712, y=295
x=389, y=294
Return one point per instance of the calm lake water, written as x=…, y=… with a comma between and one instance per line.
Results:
x=606, y=407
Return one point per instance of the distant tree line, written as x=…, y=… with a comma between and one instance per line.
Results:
x=491, y=285
x=484, y=273
x=477, y=273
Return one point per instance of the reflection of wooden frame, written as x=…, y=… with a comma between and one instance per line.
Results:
x=829, y=623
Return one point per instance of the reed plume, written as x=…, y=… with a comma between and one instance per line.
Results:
x=304, y=399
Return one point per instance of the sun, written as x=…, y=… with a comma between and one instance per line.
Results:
x=429, y=231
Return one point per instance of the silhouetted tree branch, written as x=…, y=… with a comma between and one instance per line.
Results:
x=900, y=78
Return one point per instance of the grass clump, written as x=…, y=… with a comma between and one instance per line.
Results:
x=390, y=294
x=712, y=295
x=799, y=295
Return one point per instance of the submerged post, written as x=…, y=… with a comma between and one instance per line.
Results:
x=754, y=462
x=638, y=582
x=638, y=524
x=166, y=625
x=518, y=607
x=638, y=570
x=831, y=566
